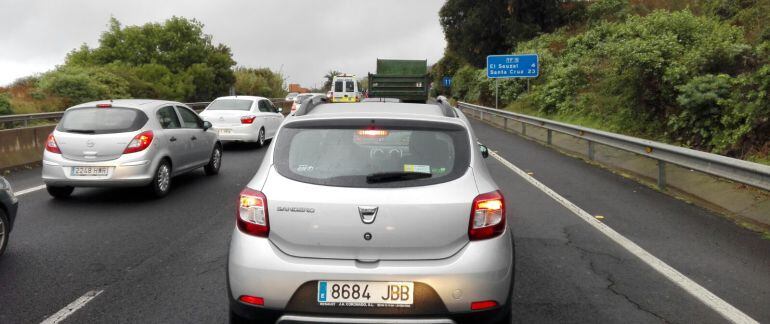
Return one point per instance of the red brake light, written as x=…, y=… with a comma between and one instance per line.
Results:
x=487, y=216
x=252, y=213
x=294, y=107
x=51, y=145
x=248, y=119
x=103, y=105
x=252, y=300
x=140, y=142
x=481, y=305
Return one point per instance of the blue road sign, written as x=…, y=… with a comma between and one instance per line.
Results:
x=513, y=66
x=447, y=82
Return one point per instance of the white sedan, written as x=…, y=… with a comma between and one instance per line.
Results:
x=243, y=118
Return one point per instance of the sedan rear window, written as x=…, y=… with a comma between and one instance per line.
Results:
x=230, y=104
x=379, y=154
x=102, y=120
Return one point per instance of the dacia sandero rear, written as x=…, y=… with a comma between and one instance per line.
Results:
x=372, y=213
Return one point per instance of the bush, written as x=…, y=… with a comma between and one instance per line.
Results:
x=259, y=82
x=5, y=104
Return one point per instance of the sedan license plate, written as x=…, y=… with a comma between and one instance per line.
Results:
x=90, y=171
x=224, y=131
x=365, y=293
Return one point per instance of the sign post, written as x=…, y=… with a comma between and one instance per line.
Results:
x=512, y=66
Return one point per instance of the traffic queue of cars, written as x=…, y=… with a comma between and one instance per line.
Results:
x=368, y=212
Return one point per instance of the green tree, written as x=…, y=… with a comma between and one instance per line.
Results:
x=259, y=82
x=178, y=45
x=5, y=104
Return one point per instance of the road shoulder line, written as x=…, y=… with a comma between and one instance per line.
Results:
x=720, y=306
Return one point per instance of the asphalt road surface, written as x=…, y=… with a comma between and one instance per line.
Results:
x=163, y=261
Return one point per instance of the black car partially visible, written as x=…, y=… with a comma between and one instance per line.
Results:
x=8, y=206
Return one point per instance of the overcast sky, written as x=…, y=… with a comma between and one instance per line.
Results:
x=302, y=38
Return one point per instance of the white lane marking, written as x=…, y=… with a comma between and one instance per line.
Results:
x=727, y=311
x=33, y=189
x=72, y=307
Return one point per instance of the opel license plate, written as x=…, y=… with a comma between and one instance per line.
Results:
x=366, y=293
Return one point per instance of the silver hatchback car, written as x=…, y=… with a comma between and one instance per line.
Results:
x=372, y=213
x=127, y=143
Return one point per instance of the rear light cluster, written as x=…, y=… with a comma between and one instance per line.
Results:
x=482, y=305
x=51, y=146
x=248, y=119
x=252, y=300
x=252, y=213
x=140, y=142
x=487, y=216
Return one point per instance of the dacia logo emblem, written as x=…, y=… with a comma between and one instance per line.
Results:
x=368, y=213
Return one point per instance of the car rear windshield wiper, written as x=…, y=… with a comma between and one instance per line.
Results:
x=396, y=176
x=81, y=131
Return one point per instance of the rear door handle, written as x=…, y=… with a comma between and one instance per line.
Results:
x=173, y=139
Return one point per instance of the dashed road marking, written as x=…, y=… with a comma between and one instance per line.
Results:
x=720, y=306
x=72, y=307
x=33, y=189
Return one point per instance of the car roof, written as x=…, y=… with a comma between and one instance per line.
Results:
x=377, y=110
x=243, y=97
x=142, y=104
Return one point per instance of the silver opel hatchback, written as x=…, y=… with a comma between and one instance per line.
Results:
x=127, y=143
x=372, y=213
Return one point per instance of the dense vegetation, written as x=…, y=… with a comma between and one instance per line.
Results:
x=173, y=60
x=694, y=73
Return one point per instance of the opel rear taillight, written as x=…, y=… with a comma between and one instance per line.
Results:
x=248, y=119
x=252, y=213
x=140, y=142
x=487, y=216
x=51, y=146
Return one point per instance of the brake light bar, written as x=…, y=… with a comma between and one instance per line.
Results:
x=487, y=216
x=252, y=213
x=373, y=132
x=104, y=105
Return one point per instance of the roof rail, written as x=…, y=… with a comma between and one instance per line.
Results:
x=311, y=103
x=448, y=110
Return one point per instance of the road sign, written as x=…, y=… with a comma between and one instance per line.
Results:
x=447, y=82
x=513, y=66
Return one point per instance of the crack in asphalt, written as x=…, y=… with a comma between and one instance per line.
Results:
x=584, y=254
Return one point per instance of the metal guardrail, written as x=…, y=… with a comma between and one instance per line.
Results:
x=24, y=119
x=749, y=173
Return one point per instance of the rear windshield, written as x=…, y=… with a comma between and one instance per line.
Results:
x=102, y=120
x=230, y=104
x=338, y=86
x=362, y=153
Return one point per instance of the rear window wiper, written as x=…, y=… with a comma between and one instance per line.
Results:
x=81, y=131
x=396, y=176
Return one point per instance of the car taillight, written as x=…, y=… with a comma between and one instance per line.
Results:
x=487, y=216
x=51, y=146
x=252, y=300
x=140, y=142
x=293, y=107
x=252, y=213
x=248, y=119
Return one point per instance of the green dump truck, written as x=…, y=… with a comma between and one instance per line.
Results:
x=407, y=80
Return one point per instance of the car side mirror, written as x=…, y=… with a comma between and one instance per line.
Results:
x=207, y=125
x=484, y=151
x=280, y=110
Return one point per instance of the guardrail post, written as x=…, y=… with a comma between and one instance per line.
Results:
x=26, y=122
x=481, y=115
x=549, y=140
x=505, y=123
x=661, y=175
x=523, y=129
x=590, y=150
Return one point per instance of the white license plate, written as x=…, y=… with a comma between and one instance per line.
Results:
x=365, y=293
x=90, y=171
x=224, y=131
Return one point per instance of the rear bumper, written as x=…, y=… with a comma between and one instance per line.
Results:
x=481, y=271
x=246, y=133
x=125, y=171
